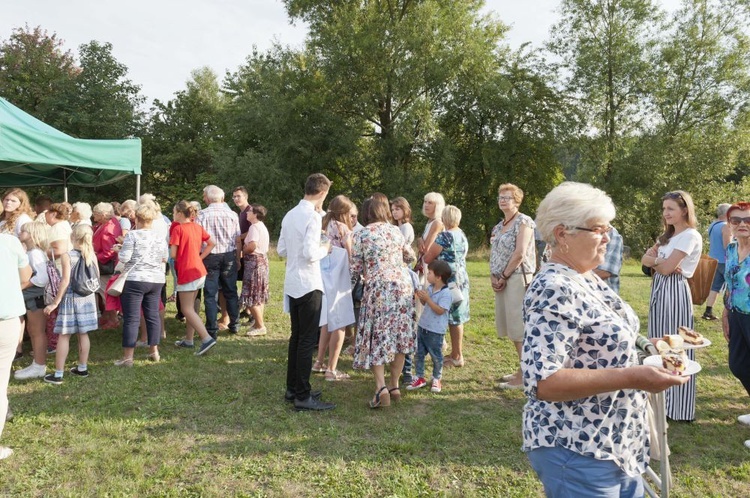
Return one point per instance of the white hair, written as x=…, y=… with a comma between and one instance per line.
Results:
x=213, y=193
x=196, y=205
x=572, y=204
x=439, y=201
x=84, y=210
x=722, y=209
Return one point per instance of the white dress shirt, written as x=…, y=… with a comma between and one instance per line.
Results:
x=299, y=243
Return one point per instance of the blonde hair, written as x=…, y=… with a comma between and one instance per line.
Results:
x=37, y=235
x=451, y=217
x=82, y=237
x=439, y=201
x=105, y=209
x=515, y=191
x=146, y=212
x=572, y=204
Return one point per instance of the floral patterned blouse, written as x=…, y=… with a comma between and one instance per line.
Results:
x=338, y=233
x=737, y=276
x=503, y=245
x=573, y=322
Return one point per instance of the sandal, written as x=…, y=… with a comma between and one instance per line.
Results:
x=319, y=367
x=449, y=361
x=335, y=375
x=395, y=393
x=381, y=398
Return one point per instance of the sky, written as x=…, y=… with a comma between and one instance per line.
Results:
x=161, y=41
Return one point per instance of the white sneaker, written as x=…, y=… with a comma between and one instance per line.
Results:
x=257, y=332
x=744, y=419
x=5, y=452
x=33, y=371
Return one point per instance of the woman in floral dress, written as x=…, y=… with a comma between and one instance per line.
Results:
x=452, y=247
x=387, y=320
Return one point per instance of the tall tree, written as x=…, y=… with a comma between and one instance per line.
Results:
x=604, y=47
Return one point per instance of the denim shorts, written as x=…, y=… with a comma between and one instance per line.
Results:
x=718, y=284
x=565, y=473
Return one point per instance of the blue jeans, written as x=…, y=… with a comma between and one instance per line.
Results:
x=137, y=296
x=566, y=473
x=222, y=273
x=432, y=343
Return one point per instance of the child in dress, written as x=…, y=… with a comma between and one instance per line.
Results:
x=185, y=242
x=75, y=314
x=433, y=324
x=255, y=279
x=34, y=237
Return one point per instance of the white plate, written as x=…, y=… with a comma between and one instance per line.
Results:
x=705, y=344
x=691, y=367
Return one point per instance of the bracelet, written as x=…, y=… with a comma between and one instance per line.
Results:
x=502, y=275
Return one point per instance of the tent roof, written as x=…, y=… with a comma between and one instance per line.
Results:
x=33, y=153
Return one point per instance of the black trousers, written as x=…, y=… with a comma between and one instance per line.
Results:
x=739, y=347
x=305, y=317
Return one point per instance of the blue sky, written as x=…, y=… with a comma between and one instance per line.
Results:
x=161, y=41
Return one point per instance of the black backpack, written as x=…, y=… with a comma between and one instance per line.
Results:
x=84, y=279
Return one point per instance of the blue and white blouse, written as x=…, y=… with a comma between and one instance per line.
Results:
x=571, y=321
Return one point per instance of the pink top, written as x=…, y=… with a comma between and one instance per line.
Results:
x=104, y=238
x=258, y=233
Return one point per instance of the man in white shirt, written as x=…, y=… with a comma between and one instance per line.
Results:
x=300, y=244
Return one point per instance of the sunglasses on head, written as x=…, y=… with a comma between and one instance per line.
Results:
x=736, y=220
x=673, y=196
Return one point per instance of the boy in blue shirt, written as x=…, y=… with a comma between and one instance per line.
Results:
x=433, y=324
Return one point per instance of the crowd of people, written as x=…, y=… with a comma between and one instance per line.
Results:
x=405, y=298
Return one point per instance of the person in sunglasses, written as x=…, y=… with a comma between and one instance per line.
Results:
x=673, y=260
x=736, y=316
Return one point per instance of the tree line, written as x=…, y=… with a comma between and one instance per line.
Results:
x=411, y=96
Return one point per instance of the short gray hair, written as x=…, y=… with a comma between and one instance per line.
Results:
x=572, y=204
x=105, y=209
x=213, y=193
x=84, y=210
x=722, y=209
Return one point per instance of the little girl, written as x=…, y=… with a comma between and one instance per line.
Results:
x=401, y=212
x=34, y=236
x=185, y=248
x=76, y=314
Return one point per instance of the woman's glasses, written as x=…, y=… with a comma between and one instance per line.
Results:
x=736, y=220
x=504, y=198
x=675, y=196
x=599, y=230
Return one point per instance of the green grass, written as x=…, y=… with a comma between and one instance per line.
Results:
x=217, y=425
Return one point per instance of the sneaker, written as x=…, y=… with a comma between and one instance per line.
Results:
x=53, y=379
x=709, y=316
x=33, y=371
x=744, y=419
x=80, y=373
x=5, y=452
x=257, y=332
x=184, y=344
x=51, y=350
x=437, y=386
x=418, y=383
x=205, y=346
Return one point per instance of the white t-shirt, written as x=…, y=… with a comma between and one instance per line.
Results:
x=38, y=262
x=20, y=222
x=12, y=258
x=691, y=243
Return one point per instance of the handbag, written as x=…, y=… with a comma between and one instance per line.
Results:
x=118, y=285
x=53, y=286
x=456, y=294
x=700, y=282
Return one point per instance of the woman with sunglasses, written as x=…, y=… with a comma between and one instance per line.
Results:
x=736, y=317
x=673, y=260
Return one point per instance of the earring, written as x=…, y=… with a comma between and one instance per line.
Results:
x=565, y=249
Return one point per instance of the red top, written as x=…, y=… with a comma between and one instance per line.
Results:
x=105, y=236
x=188, y=237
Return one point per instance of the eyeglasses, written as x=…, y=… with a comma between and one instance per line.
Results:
x=504, y=198
x=600, y=230
x=674, y=196
x=736, y=220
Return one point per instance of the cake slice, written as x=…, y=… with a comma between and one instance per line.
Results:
x=690, y=336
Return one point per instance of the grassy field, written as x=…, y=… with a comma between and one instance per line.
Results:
x=217, y=425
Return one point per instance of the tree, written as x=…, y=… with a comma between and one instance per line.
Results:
x=604, y=46
x=34, y=69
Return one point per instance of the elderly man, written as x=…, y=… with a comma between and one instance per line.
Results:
x=223, y=225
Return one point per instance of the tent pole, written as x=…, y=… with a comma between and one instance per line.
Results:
x=137, y=187
x=65, y=185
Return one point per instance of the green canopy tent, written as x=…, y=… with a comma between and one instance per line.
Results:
x=34, y=154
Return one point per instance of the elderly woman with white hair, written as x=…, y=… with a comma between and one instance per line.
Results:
x=106, y=232
x=584, y=423
x=81, y=214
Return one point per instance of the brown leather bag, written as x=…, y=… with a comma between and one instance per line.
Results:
x=700, y=282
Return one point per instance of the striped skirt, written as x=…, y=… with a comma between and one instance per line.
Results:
x=671, y=306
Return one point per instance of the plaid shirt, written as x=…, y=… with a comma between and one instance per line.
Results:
x=222, y=224
x=613, y=260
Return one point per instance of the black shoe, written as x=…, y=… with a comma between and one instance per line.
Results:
x=50, y=378
x=80, y=373
x=709, y=316
x=289, y=395
x=312, y=404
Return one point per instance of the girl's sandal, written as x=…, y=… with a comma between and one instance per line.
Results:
x=319, y=367
x=381, y=398
x=335, y=375
x=395, y=393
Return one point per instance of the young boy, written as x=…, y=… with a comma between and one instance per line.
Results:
x=433, y=324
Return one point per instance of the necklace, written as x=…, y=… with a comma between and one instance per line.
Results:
x=505, y=222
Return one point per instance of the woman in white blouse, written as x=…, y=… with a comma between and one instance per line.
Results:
x=143, y=255
x=673, y=259
x=584, y=424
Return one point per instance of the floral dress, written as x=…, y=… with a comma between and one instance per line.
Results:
x=455, y=248
x=388, y=318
